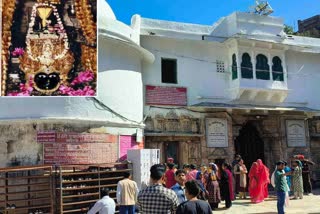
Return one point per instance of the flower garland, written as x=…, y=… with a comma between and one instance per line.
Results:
x=83, y=79
x=7, y=16
x=85, y=17
x=17, y=52
x=25, y=89
x=60, y=30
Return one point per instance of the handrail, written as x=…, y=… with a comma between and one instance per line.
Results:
x=24, y=168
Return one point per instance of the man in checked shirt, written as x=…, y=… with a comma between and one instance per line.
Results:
x=156, y=199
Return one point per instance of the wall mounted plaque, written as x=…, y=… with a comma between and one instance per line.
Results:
x=296, y=133
x=217, y=132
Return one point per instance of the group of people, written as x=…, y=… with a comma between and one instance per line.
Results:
x=215, y=184
x=200, y=190
x=291, y=180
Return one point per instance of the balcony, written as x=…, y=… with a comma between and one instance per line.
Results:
x=254, y=85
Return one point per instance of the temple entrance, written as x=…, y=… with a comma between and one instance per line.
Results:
x=249, y=144
x=171, y=151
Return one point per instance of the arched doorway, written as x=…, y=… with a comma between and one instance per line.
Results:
x=249, y=144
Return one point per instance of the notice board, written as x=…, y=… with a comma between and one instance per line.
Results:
x=162, y=95
x=78, y=148
x=216, y=132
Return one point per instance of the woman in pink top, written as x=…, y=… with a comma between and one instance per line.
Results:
x=192, y=175
x=169, y=176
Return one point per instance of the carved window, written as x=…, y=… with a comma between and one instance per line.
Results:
x=246, y=67
x=262, y=67
x=234, y=67
x=277, y=69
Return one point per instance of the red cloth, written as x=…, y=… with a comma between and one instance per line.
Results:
x=256, y=188
x=192, y=175
x=230, y=177
x=170, y=181
x=264, y=177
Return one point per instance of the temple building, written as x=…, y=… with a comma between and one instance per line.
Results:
x=240, y=86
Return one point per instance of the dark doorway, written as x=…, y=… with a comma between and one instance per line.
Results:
x=171, y=150
x=249, y=144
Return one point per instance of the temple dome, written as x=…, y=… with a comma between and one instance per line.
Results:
x=105, y=11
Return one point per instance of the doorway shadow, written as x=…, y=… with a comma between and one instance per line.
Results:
x=249, y=144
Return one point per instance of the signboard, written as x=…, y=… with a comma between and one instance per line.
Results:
x=78, y=148
x=160, y=95
x=46, y=136
x=296, y=133
x=217, y=132
x=128, y=142
x=63, y=137
x=80, y=153
x=70, y=137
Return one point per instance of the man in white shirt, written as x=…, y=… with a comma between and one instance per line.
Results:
x=105, y=205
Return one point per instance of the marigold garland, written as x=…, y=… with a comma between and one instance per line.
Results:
x=85, y=17
x=7, y=16
x=89, y=58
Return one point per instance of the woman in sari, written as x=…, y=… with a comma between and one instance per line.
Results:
x=256, y=191
x=297, y=182
x=226, y=185
x=264, y=177
x=212, y=187
x=243, y=179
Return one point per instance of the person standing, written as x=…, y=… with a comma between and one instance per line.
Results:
x=297, y=183
x=127, y=192
x=255, y=184
x=193, y=205
x=157, y=198
x=243, y=179
x=212, y=187
x=281, y=186
x=192, y=175
x=179, y=187
x=236, y=172
x=169, y=176
x=264, y=175
x=105, y=205
x=225, y=185
x=236, y=160
x=288, y=177
x=307, y=187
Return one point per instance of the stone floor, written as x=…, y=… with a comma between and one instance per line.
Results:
x=310, y=204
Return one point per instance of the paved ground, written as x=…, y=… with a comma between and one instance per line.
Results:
x=310, y=204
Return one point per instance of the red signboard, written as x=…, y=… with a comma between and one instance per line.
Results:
x=161, y=95
x=78, y=148
x=46, y=136
x=80, y=153
x=69, y=137
x=65, y=137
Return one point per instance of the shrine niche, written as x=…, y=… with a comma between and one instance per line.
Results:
x=49, y=48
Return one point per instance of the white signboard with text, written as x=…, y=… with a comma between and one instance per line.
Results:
x=217, y=132
x=296, y=133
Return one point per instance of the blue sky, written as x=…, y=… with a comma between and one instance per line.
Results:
x=209, y=11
